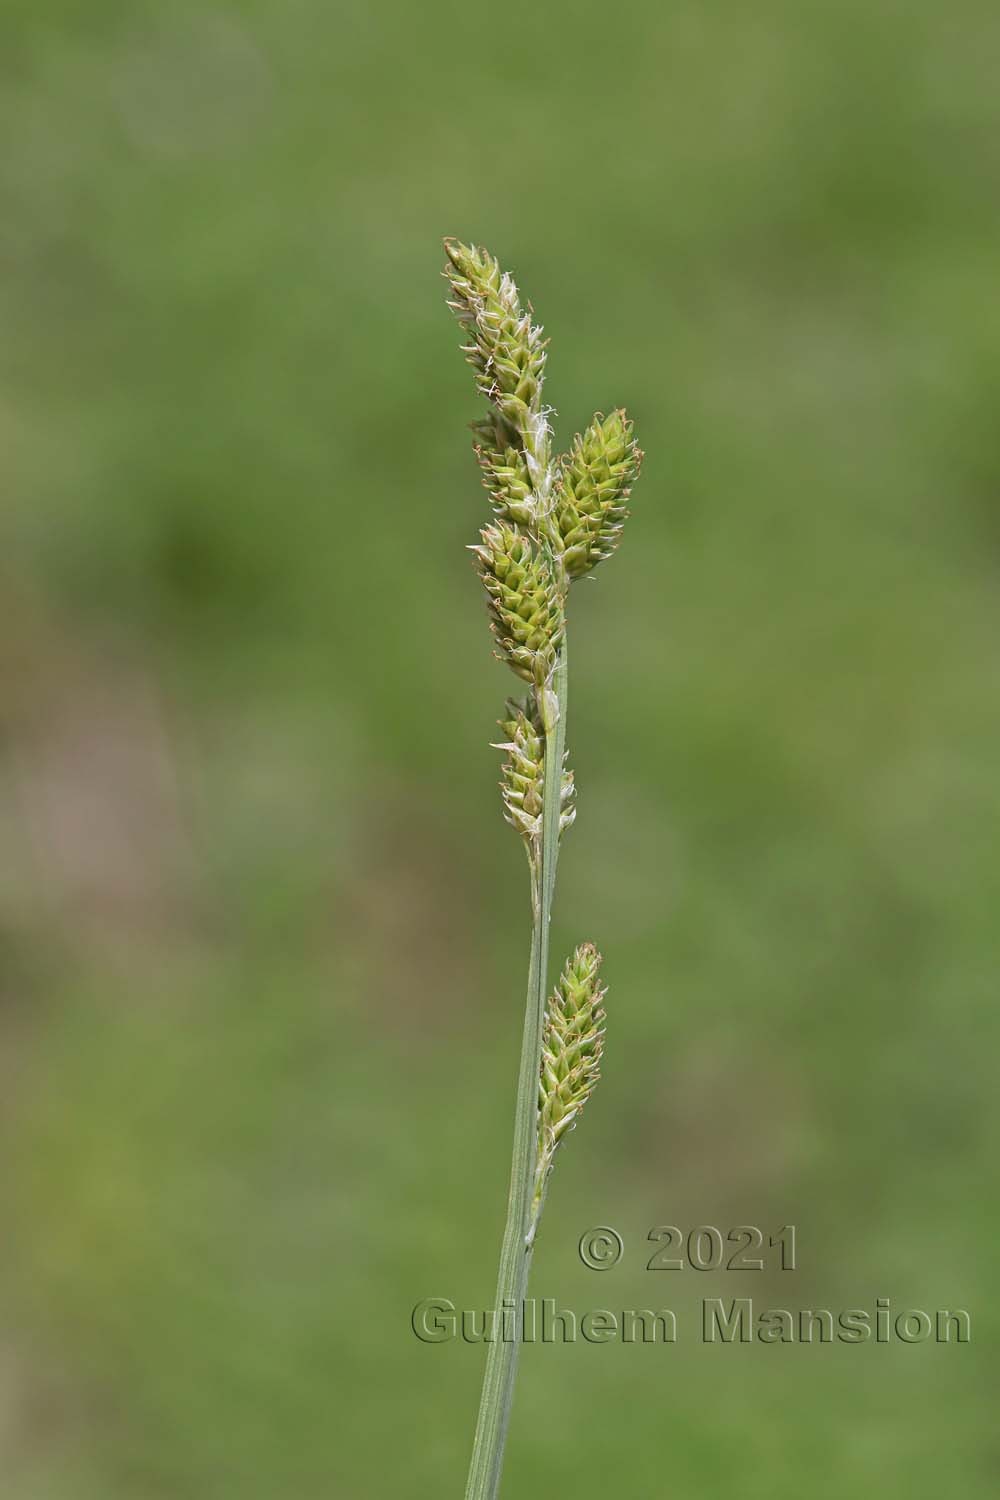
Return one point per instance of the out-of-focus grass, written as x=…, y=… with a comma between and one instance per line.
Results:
x=263, y=930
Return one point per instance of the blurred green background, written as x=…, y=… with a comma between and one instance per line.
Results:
x=264, y=933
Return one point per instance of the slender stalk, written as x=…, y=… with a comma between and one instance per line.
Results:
x=519, y=1231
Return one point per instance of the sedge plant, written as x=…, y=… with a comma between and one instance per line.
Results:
x=555, y=519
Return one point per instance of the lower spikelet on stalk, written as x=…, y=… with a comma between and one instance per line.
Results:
x=526, y=605
x=567, y=798
x=572, y=1044
x=523, y=783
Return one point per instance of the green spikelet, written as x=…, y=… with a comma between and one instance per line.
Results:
x=504, y=466
x=505, y=349
x=591, y=493
x=506, y=477
x=494, y=433
x=572, y=1044
x=523, y=783
x=526, y=607
x=567, y=798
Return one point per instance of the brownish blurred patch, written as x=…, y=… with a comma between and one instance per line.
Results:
x=416, y=909
x=97, y=847
x=735, y=1138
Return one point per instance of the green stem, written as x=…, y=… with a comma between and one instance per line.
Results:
x=518, y=1238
